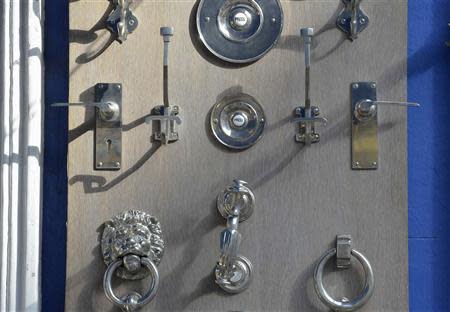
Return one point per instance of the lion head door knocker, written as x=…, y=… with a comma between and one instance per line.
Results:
x=132, y=248
x=239, y=31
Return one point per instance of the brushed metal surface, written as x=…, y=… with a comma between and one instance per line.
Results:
x=304, y=196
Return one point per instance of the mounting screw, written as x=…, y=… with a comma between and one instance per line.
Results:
x=356, y=163
x=207, y=19
x=274, y=20
x=373, y=85
x=100, y=164
x=117, y=164
x=362, y=20
x=355, y=86
x=374, y=164
x=343, y=21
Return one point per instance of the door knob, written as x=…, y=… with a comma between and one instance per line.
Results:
x=344, y=253
x=165, y=115
x=233, y=272
x=352, y=19
x=121, y=21
x=307, y=116
x=132, y=248
x=108, y=125
x=364, y=105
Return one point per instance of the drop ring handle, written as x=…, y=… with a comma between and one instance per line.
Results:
x=132, y=301
x=344, y=305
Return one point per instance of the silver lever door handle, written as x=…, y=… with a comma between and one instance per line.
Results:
x=109, y=111
x=366, y=109
x=233, y=272
x=132, y=248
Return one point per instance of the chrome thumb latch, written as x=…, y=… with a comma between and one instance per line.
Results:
x=132, y=248
x=121, y=21
x=364, y=105
x=352, y=19
x=166, y=115
x=108, y=125
x=234, y=272
x=344, y=253
x=307, y=116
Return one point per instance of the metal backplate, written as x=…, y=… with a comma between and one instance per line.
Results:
x=364, y=133
x=238, y=121
x=108, y=134
x=239, y=31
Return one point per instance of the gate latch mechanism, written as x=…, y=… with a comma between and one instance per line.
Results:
x=307, y=116
x=165, y=114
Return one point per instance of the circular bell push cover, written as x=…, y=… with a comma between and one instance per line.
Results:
x=239, y=31
x=238, y=122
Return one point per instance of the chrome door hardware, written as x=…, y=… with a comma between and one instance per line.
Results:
x=108, y=125
x=239, y=31
x=364, y=106
x=121, y=21
x=238, y=122
x=352, y=19
x=165, y=114
x=132, y=248
x=307, y=116
x=343, y=253
x=234, y=272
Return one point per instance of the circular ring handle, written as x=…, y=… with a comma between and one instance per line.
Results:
x=143, y=300
x=344, y=305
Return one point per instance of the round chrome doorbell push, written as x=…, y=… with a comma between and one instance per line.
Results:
x=238, y=122
x=239, y=31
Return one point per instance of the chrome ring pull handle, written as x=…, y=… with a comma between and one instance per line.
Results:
x=344, y=252
x=233, y=272
x=132, y=247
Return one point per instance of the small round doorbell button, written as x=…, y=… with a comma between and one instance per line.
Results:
x=239, y=31
x=238, y=122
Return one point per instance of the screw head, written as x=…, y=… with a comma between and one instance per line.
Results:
x=373, y=85
x=356, y=163
x=355, y=86
x=374, y=164
x=362, y=20
x=101, y=85
x=274, y=20
x=343, y=21
x=215, y=120
x=207, y=19
x=117, y=164
x=100, y=164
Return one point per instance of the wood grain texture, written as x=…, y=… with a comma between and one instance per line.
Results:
x=305, y=196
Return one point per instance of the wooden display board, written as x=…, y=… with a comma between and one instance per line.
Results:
x=305, y=196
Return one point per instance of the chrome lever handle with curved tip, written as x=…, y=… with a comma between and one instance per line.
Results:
x=233, y=272
x=108, y=111
x=366, y=109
